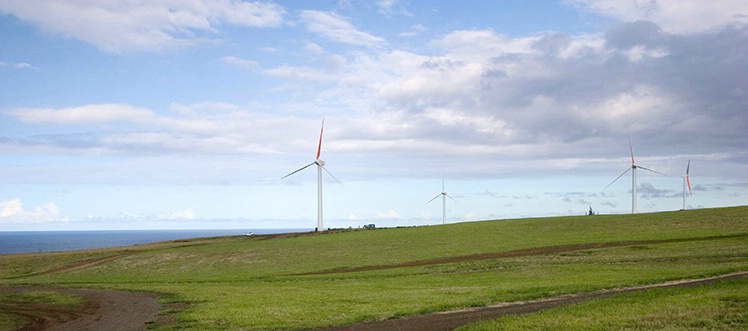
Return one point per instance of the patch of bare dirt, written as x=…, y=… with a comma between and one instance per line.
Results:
x=450, y=320
x=104, y=311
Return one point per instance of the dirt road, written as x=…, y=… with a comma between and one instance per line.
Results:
x=445, y=321
x=103, y=311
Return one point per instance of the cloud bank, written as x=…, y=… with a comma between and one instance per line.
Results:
x=117, y=26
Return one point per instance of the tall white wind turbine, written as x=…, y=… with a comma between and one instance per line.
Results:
x=444, y=196
x=320, y=166
x=686, y=182
x=633, y=168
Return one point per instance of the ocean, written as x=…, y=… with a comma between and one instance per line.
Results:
x=13, y=242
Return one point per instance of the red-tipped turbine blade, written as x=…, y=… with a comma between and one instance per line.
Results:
x=319, y=146
x=688, y=181
x=631, y=148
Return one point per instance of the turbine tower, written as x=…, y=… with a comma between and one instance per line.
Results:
x=633, y=168
x=444, y=196
x=320, y=166
x=686, y=182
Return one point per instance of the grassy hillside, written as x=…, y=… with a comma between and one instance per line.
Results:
x=262, y=283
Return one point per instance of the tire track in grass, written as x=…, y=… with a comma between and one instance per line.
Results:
x=516, y=253
x=449, y=320
x=87, y=263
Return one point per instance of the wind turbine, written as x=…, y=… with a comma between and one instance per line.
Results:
x=633, y=168
x=444, y=196
x=686, y=181
x=320, y=166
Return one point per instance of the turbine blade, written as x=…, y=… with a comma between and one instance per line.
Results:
x=650, y=170
x=333, y=177
x=619, y=176
x=300, y=169
x=319, y=146
x=438, y=195
x=688, y=167
x=452, y=198
x=631, y=149
x=688, y=181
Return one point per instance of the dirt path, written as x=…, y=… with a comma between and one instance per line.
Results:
x=103, y=311
x=450, y=320
x=517, y=253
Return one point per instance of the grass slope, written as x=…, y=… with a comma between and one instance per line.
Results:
x=241, y=283
x=722, y=306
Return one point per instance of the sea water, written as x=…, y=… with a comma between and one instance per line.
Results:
x=12, y=242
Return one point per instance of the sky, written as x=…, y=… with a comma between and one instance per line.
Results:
x=166, y=114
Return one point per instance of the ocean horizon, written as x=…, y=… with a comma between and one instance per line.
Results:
x=18, y=242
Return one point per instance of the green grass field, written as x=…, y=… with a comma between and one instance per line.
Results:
x=722, y=306
x=243, y=283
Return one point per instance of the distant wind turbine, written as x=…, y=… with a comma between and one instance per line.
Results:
x=444, y=196
x=320, y=166
x=633, y=168
x=686, y=182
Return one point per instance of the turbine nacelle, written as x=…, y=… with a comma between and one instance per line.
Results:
x=319, y=163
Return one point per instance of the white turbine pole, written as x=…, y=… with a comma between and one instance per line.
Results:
x=684, y=193
x=633, y=178
x=444, y=208
x=444, y=203
x=633, y=189
x=319, y=196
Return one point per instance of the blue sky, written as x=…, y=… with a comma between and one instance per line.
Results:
x=172, y=114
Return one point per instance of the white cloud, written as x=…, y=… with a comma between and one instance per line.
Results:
x=388, y=214
x=302, y=73
x=187, y=214
x=390, y=7
x=18, y=65
x=336, y=28
x=683, y=16
x=10, y=208
x=124, y=25
x=314, y=48
x=89, y=114
x=241, y=63
x=12, y=211
x=414, y=30
x=205, y=127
